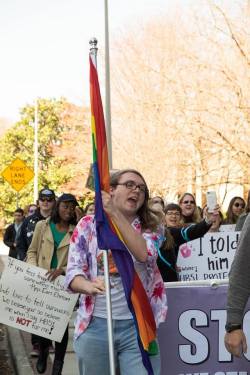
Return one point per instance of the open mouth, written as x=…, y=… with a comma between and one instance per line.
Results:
x=133, y=200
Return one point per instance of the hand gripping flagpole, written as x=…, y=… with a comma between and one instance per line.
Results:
x=93, y=53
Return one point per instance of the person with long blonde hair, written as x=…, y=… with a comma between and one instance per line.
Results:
x=189, y=209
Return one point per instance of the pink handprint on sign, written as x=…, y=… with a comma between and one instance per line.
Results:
x=185, y=251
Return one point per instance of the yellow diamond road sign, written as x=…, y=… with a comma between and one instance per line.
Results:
x=17, y=174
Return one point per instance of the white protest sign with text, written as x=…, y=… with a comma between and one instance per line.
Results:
x=28, y=301
x=209, y=257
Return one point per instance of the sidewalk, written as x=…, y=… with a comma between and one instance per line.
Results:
x=6, y=363
x=17, y=345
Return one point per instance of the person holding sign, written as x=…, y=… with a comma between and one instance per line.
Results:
x=238, y=294
x=176, y=236
x=127, y=205
x=49, y=250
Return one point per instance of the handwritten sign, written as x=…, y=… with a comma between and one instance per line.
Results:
x=227, y=228
x=28, y=301
x=209, y=257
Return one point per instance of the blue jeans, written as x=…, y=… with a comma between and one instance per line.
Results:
x=92, y=350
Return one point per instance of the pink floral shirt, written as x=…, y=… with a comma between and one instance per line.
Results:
x=82, y=260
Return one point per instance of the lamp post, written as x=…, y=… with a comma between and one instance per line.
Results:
x=107, y=87
x=36, y=152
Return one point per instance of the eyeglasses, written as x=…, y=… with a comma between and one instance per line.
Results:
x=46, y=199
x=239, y=205
x=188, y=202
x=131, y=185
x=170, y=213
x=32, y=211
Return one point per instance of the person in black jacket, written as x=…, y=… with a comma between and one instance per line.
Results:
x=175, y=237
x=46, y=202
x=12, y=232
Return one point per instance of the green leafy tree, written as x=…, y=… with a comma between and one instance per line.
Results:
x=18, y=142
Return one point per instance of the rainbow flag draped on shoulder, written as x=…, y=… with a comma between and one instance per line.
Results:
x=108, y=235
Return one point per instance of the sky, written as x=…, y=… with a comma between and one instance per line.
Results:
x=45, y=43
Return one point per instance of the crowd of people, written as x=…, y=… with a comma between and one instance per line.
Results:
x=42, y=238
x=59, y=236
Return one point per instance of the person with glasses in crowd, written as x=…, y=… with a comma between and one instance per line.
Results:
x=235, y=209
x=46, y=202
x=176, y=235
x=173, y=217
x=127, y=206
x=49, y=250
x=189, y=209
x=242, y=218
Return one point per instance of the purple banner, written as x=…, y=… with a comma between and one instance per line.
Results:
x=192, y=338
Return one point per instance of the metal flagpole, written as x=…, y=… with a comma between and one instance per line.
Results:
x=93, y=53
x=107, y=87
x=36, y=152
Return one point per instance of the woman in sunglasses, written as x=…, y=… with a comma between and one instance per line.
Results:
x=235, y=209
x=242, y=218
x=189, y=209
x=49, y=249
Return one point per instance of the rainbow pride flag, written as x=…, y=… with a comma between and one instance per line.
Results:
x=108, y=235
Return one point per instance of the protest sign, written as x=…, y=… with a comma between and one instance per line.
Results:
x=227, y=228
x=191, y=340
x=30, y=302
x=209, y=257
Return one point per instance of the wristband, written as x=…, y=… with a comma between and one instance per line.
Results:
x=230, y=327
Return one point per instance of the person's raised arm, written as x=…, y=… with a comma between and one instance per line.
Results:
x=134, y=240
